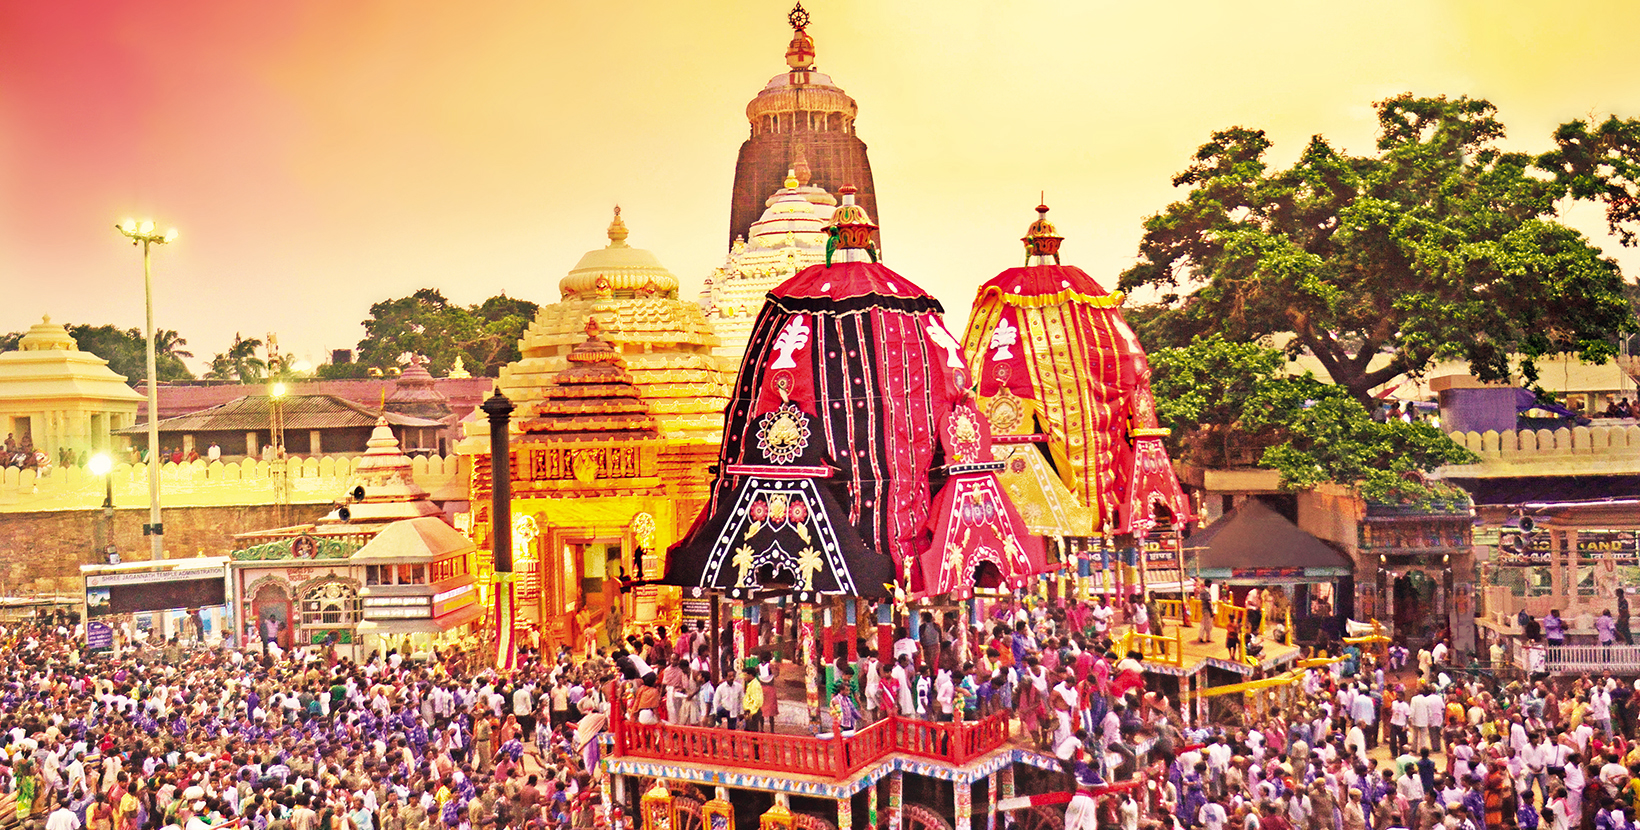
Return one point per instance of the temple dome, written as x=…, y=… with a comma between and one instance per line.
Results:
x=618, y=270
x=46, y=336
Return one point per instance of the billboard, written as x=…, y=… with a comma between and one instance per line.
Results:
x=136, y=592
x=1619, y=547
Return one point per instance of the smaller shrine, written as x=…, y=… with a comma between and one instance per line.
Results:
x=383, y=570
x=588, y=502
x=56, y=400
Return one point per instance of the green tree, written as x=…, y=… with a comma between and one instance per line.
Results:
x=239, y=362
x=485, y=336
x=1439, y=246
x=1217, y=395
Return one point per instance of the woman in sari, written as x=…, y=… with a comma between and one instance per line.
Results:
x=26, y=786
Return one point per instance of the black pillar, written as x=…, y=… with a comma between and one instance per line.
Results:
x=500, y=410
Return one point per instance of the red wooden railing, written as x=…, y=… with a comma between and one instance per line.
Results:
x=955, y=743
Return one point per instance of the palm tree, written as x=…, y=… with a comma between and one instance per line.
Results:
x=240, y=362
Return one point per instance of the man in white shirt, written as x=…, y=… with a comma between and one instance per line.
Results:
x=62, y=818
x=1535, y=756
x=1418, y=718
x=1212, y=816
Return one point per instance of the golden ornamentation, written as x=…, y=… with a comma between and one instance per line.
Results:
x=744, y=556
x=808, y=561
x=585, y=466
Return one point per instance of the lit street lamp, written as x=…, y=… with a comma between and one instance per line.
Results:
x=102, y=465
x=145, y=236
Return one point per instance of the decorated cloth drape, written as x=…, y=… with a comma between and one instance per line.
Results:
x=852, y=401
x=1052, y=355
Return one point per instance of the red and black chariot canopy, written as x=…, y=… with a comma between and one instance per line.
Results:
x=852, y=401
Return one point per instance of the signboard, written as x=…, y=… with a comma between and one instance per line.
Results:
x=1266, y=573
x=99, y=636
x=137, y=592
x=1160, y=552
x=1619, y=547
x=696, y=610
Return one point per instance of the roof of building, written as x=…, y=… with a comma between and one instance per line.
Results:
x=592, y=399
x=48, y=365
x=298, y=412
x=422, y=539
x=1254, y=536
x=383, y=475
x=463, y=394
x=619, y=270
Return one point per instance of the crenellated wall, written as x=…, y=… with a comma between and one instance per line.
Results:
x=1596, y=450
x=314, y=480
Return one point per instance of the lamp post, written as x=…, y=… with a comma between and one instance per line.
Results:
x=143, y=234
x=102, y=465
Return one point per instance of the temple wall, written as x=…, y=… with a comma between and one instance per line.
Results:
x=41, y=551
x=319, y=480
x=1594, y=450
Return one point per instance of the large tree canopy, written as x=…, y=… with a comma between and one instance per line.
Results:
x=1230, y=403
x=485, y=336
x=1439, y=246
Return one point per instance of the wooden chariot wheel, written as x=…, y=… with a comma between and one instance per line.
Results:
x=809, y=821
x=1040, y=818
x=919, y=817
x=687, y=814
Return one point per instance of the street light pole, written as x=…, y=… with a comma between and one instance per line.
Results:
x=145, y=236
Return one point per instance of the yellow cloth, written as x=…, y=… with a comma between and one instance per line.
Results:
x=753, y=700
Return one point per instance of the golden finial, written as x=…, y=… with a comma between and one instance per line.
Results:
x=592, y=328
x=617, y=230
x=791, y=180
x=1042, y=239
x=800, y=53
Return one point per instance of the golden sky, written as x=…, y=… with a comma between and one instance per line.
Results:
x=319, y=156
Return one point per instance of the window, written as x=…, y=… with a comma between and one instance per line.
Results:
x=331, y=603
x=412, y=574
x=378, y=574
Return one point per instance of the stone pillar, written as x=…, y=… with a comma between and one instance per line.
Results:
x=315, y=442
x=896, y=800
x=499, y=411
x=251, y=448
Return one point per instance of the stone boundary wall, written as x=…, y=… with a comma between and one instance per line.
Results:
x=1526, y=444
x=41, y=552
x=201, y=484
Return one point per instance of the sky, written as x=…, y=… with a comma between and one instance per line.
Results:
x=317, y=157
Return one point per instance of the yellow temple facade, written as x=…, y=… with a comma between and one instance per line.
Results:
x=608, y=468
x=54, y=397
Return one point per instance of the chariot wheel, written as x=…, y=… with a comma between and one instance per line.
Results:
x=680, y=790
x=919, y=817
x=686, y=814
x=809, y=821
x=1040, y=818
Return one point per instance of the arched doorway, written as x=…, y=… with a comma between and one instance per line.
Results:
x=271, y=608
x=1417, y=607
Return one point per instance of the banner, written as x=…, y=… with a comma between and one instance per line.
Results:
x=1620, y=547
x=99, y=636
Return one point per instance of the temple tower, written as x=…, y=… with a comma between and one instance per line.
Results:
x=799, y=114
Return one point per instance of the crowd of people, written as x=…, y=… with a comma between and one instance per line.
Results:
x=170, y=736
